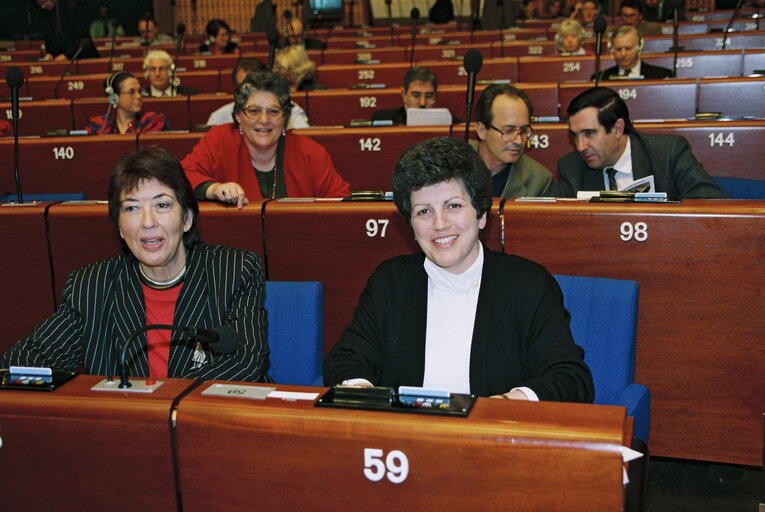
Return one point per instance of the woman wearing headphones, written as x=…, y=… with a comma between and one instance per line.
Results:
x=570, y=38
x=124, y=115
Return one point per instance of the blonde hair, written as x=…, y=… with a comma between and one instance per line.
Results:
x=294, y=63
x=569, y=26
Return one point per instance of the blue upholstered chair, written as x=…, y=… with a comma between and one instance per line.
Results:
x=295, y=331
x=73, y=196
x=604, y=323
x=740, y=188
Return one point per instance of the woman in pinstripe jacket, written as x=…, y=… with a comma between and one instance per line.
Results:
x=166, y=276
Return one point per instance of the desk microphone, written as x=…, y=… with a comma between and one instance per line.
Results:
x=273, y=40
x=180, y=30
x=599, y=26
x=390, y=22
x=224, y=338
x=501, y=9
x=472, y=62
x=414, y=15
x=84, y=44
x=732, y=16
x=675, y=47
x=115, y=24
x=14, y=79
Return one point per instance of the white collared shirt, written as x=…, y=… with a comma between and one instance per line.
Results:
x=156, y=93
x=634, y=71
x=623, y=168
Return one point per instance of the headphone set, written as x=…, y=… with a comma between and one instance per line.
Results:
x=640, y=43
x=111, y=94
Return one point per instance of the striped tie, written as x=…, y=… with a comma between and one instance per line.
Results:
x=611, y=172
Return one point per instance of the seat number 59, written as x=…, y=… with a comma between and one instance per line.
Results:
x=395, y=467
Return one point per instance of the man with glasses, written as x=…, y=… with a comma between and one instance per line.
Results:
x=503, y=125
x=418, y=91
x=158, y=66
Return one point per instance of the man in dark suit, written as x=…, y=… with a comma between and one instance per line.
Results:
x=626, y=45
x=157, y=67
x=663, y=10
x=610, y=154
x=419, y=91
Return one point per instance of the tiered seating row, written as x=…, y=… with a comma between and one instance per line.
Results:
x=701, y=297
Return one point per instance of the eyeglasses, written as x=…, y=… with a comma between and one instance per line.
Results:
x=507, y=135
x=161, y=69
x=132, y=92
x=256, y=112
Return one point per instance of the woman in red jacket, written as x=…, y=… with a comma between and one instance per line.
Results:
x=255, y=156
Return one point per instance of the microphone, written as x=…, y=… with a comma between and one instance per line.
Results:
x=599, y=26
x=14, y=79
x=84, y=44
x=179, y=30
x=501, y=9
x=390, y=22
x=727, y=28
x=273, y=40
x=414, y=15
x=472, y=62
x=115, y=24
x=675, y=47
x=225, y=339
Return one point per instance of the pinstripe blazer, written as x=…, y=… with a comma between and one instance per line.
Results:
x=103, y=304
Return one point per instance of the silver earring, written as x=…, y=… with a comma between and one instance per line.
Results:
x=240, y=130
x=284, y=132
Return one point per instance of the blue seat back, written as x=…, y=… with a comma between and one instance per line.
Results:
x=295, y=331
x=604, y=323
x=41, y=198
x=739, y=188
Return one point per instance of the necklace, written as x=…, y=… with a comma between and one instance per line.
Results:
x=161, y=285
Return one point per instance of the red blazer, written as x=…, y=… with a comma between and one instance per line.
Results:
x=222, y=156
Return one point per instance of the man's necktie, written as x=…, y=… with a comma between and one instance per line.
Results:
x=611, y=172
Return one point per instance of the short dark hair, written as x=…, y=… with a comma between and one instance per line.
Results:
x=633, y=4
x=486, y=100
x=434, y=161
x=214, y=26
x=609, y=104
x=418, y=74
x=153, y=163
x=115, y=81
x=249, y=65
x=268, y=81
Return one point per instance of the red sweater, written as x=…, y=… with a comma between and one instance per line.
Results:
x=222, y=156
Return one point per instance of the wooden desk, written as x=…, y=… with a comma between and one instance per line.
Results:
x=700, y=343
x=77, y=449
x=37, y=117
x=25, y=272
x=276, y=454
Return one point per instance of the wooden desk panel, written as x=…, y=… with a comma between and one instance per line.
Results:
x=733, y=97
x=77, y=449
x=544, y=98
x=179, y=144
x=65, y=164
x=646, y=99
x=706, y=42
x=25, y=270
x=176, y=109
x=289, y=455
x=339, y=244
x=754, y=60
x=344, y=76
x=74, y=86
x=701, y=65
x=202, y=105
x=556, y=69
x=364, y=55
x=449, y=52
x=338, y=107
x=37, y=117
x=453, y=72
x=365, y=157
x=72, y=228
x=702, y=294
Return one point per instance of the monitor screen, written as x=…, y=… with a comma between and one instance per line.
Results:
x=327, y=8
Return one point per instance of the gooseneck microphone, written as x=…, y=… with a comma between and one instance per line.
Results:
x=675, y=47
x=414, y=15
x=225, y=339
x=472, y=62
x=84, y=44
x=115, y=24
x=14, y=79
x=501, y=9
x=599, y=26
x=732, y=16
x=273, y=40
x=390, y=22
x=180, y=30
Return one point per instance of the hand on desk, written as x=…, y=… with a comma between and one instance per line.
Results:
x=516, y=394
x=230, y=192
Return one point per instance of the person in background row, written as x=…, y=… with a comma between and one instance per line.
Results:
x=125, y=114
x=157, y=67
x=64, y=25
x=6, y=129
x=458, y=316
x=264, y=18
x=631, y=14
x=419, y=91
x=586, y=11
x=611, y=154
x=626, y=46
x=255, y=156
x=293, y=64
x=294, y=35
x=663, y=10
x=570, y=38
x=218, y=38
x=503, y=125
x=166, y=275
x=103, y=26
x=150, y=35
x=225, y=114
x=442, y=11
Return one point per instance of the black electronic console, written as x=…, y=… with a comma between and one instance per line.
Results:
x=30, y=378
x=407, y=400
